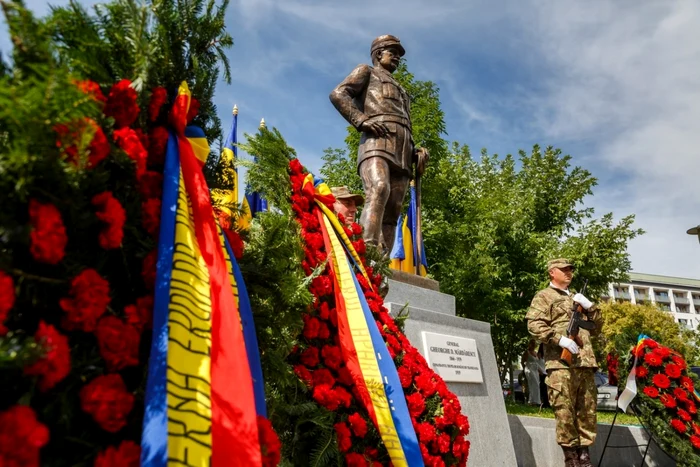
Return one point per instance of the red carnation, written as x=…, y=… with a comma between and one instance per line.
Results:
x=683, y=415
x=128, y=454
x=653, y=359
x=425, y=384
x=416, y=404
x=672, y=370
x=140, y=316
x=157, y=145
x=426, y=432
x=354, y=459
x=323, y=311
x=345, y=377
x=687, y=384
x=661, y=380
x=642, y=372
x=650, y=343
x=443, y=443
x=323, y=377
x=70, y=135
x=21, y=437
x=321, y=286
x=295, y=167
x=55, y=364
x=151, y=184
x=304, y=374
x=130, y=142
x=106, y=399
x=679, y=361
x=121, y=104
x=92, y=89
x=48, y=234
x=651, y=391
x=332, y=399
x=663, y=352
x=463, y=424
x=668, y=401
x=7, y=299
x=678, y=425
x=148, y=269
x=150, y=216
x=358, y=425
x=159, y=96
x=356, y=228
x=343, y=434
x=332, y=357
x=323, y=331
x=111, y=212
x=309, y=357
x=695, y=441
x=119, y=343
x=696, y=428
x=311, y=327
x=270, y=444
x=89, y=297
x=405, y=376
x=680, y=394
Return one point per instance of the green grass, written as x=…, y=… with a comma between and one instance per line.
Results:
x=603, y=416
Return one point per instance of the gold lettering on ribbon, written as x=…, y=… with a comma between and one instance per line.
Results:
x=366, y=355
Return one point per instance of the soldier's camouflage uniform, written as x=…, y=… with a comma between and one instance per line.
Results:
x=572, y=392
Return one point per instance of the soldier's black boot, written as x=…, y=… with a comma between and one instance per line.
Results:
x=584, y=457
x=570, y=457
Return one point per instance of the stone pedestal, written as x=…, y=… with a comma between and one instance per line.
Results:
x=483, y=403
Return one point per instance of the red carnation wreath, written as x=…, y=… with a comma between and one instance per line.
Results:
x=666, y=399
x=434, y=409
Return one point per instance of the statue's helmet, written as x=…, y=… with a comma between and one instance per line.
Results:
x=387, y=40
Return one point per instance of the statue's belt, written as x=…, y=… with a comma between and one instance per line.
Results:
x=389, y=118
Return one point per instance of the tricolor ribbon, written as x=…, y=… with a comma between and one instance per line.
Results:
x=200, y=397
x=364, y=351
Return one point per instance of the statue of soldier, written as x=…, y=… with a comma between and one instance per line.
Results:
x=372, y=101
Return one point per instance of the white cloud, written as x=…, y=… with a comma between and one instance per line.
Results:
x=626, y=76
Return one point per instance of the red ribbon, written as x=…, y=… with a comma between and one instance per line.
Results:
x=234, y=424
x=347, y=345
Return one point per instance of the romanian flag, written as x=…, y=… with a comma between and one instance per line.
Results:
x=405, y=251
x=364, y=350
x=203, y=392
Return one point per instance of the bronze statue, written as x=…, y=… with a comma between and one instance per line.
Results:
x=372, y=101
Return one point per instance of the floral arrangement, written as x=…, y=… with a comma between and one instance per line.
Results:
x=81, y=174
x=435, y=411
x=666, y=402
x=89, y=324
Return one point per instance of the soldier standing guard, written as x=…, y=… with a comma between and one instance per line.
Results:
x=372, y=101
x=571, y=390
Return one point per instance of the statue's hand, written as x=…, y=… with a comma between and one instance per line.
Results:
x=378, y=129
x=422, y=157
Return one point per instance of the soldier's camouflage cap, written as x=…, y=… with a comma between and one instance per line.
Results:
x=559, y=263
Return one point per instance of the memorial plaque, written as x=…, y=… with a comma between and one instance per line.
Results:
x=453, y=358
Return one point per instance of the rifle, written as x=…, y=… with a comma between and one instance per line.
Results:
x=576, y=322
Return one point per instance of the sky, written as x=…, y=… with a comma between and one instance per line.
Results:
x=613, y=84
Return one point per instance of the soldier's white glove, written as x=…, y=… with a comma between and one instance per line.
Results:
x=583, y=301
x=568, y=344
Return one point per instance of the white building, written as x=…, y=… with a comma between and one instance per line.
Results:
x=677, y=295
